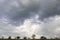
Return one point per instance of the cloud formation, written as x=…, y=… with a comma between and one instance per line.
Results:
x=14, y=13
x=17, y=11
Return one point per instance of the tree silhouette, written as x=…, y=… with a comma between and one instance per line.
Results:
x=17, y=37
x=43, y=38
x=25, y=38
x=33, y=36
x=9, y=37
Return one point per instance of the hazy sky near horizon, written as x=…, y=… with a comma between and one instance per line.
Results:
x=27, y=17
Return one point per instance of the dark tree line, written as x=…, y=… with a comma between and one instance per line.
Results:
x=33, y=38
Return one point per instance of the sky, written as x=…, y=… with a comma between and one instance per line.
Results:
x=28, y=17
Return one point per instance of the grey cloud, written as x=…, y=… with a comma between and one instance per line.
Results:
x=49, y=28
x=16, y=14
x=50, y=9
x=16, y=11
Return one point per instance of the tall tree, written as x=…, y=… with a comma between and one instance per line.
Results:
x=33, y=36
x=9, y=37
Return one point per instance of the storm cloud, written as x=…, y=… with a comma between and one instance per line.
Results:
x=16, y=12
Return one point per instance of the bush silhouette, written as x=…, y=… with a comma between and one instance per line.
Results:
x=9, y=37
x=17, y=37
x=43, y=38
x=25, y=38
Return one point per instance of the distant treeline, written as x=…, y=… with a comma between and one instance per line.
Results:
x=33, y=38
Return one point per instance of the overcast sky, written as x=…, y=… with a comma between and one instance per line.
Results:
x=27, y=17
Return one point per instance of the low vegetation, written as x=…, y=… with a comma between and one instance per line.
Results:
x=33, y=38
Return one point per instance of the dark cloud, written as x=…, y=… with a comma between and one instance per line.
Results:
x=51, y=8
x=17, y=14
x=16, y=11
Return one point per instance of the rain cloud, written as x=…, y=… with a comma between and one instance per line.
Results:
x=14, y=13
